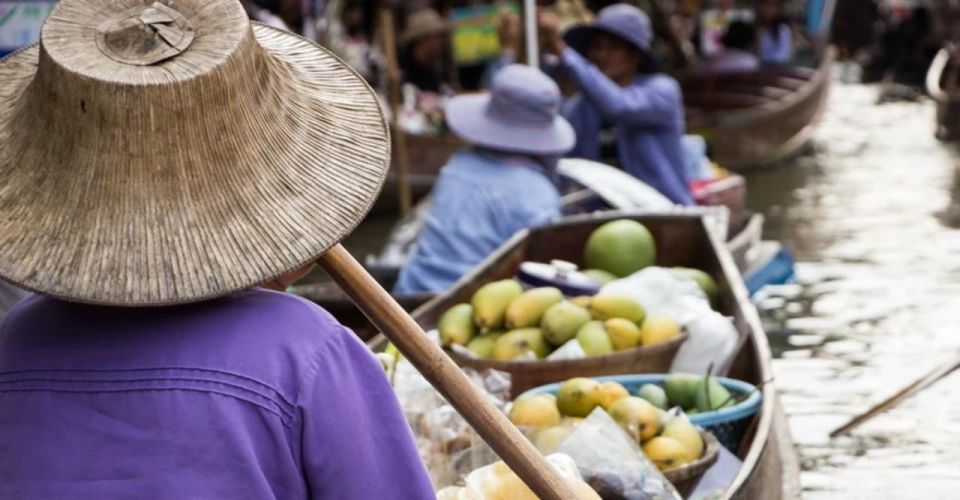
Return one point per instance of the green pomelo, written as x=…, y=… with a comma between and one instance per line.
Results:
x=621, y=247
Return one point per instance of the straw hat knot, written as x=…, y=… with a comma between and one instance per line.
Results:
x=145, y=34
x=153, y=154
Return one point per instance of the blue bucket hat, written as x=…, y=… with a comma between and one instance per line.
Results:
x=520, y=114
x=621, y=20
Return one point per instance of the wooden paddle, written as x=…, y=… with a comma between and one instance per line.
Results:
x=938, y=373
x=389, y=42
x=531, y=46
x=502, y=436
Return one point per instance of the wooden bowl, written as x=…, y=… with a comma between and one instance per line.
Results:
x=529, y=374
x=685, y=478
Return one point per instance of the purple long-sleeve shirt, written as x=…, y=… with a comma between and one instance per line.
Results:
x=254, y=396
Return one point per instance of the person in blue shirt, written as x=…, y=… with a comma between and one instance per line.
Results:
x=776, y=36
x=626, y=113
x=499, y=185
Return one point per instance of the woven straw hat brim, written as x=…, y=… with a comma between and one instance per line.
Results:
x=164, y=216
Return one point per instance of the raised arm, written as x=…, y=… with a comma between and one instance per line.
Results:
x=654, y=104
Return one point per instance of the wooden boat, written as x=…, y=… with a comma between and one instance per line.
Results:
x=745, y=233
x=943, y=78
x=769, y=469
x=757, y=119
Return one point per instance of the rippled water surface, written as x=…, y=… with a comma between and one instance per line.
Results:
x=877, y=303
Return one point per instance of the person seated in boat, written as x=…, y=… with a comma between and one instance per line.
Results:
x=776, y=35
x=737, y=54
x=502, y=183
x=626, y=114
x=423, y=45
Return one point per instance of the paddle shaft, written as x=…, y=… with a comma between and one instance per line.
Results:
x=389, y=42
x=530, y=35
x=502, y=436
x=938, y=373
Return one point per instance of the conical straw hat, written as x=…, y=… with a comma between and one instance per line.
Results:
x=155, y=155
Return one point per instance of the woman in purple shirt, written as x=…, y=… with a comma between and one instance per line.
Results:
x=157, y=163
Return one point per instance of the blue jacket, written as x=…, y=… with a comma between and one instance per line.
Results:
x=649, y=121
x=479, y=201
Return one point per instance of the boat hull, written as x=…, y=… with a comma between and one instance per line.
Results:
x=758, y=119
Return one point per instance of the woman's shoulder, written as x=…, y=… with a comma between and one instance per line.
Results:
x=294, y=315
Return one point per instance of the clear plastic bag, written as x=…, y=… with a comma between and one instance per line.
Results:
x=612, y=463
x=448, y=446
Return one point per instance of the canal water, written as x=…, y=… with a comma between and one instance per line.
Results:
x=871, y=216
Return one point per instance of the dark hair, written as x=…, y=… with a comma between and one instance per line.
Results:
x=740, y=35
x=921, y=17
x=649, y=63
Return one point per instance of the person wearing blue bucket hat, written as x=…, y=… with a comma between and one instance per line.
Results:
x=626, y=113
x=499, y=185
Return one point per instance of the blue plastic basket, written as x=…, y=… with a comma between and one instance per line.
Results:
x=727, y=424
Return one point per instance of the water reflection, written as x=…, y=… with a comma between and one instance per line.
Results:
x=870, y=215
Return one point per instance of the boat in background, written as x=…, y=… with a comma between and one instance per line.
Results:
x=761, y=118
x=749, y=120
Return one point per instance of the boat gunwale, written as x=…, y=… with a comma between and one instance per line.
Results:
x=763, y=359
x=934, y=79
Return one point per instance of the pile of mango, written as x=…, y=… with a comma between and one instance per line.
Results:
x=668, y=441
x=504, y=322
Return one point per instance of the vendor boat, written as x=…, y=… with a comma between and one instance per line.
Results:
x=768, y=466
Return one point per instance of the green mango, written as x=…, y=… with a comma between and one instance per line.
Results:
x=681, y=389
x=655, y=395
x=711, y=395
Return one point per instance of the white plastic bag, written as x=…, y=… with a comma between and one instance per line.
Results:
x=571, y=350
x=713, y=341
x=663, y=293
x=712, y=337
x=497, y=481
